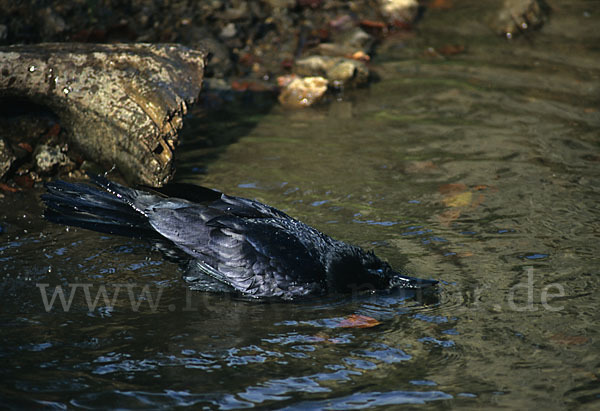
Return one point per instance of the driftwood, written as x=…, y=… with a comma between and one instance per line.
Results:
x=122, y=104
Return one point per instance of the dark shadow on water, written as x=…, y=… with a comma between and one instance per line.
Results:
x=219, y=119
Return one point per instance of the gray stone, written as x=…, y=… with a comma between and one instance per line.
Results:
x=519, y=16
x=6, y=158
x=403, y=11
x=49, y=159
x=355, y=39
x=338, y=70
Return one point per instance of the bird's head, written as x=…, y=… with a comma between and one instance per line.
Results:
x=354, y=270
x=382, y=273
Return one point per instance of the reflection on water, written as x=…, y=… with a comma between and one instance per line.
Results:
x=480, y=170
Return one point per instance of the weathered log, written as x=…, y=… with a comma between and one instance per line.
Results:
x=122, y=104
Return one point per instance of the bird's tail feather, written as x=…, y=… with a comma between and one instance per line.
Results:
x=114, y=211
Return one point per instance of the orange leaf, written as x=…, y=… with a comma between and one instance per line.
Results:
x=373, y=24
x=360, y=55
x=358, y=321
x=26, y=146
x=6, y=187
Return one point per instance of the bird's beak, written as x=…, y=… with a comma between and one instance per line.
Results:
x=404, y=281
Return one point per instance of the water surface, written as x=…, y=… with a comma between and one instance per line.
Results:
x=479, y=169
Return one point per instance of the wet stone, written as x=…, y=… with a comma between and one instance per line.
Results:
x=399, y=11
x=355, y=39
x=49, y=159
x=303, y=92
x=338, y=70
x=6, y=157
x=519, y=16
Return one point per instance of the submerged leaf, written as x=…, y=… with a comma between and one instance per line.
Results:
x=458, y=200
x=358, y=321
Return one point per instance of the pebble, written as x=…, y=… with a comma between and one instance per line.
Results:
x=50, y=158
x=303, y=92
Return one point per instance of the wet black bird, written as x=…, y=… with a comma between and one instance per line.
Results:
x=228, y=243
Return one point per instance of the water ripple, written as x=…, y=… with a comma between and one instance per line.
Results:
x=361, y=400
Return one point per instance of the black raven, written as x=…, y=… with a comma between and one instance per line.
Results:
x=228, y=243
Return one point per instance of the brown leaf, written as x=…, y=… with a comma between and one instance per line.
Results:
x=7, y=188
x=451, y=189
x=54, y=130
x=26, y=146
x=451, y=49
x=373, y=24
x=358, y=321
x=564, y=339
x=24, y=181
x=441, y=4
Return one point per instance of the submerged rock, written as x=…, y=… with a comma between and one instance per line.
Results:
x=303, y=92
x=519, y=16
x=339, y=71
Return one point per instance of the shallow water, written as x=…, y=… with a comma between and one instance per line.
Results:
x=479, y=169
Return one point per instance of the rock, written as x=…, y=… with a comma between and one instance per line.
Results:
x=338, y=70
x=229, y=31
x=3, y=32
x=399, y=11
x=303, y=92
x=519, y=16
x=219, y=61
x=121, y=104
x=6, y=158
x=19, y=128
x=348, y=72
x=49, y=159
x=355, y=39
x=281, y=4
x=347, y=43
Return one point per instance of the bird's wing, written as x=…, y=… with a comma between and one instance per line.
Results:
x=189, y=192
x=257, y=257
x=239, y=206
